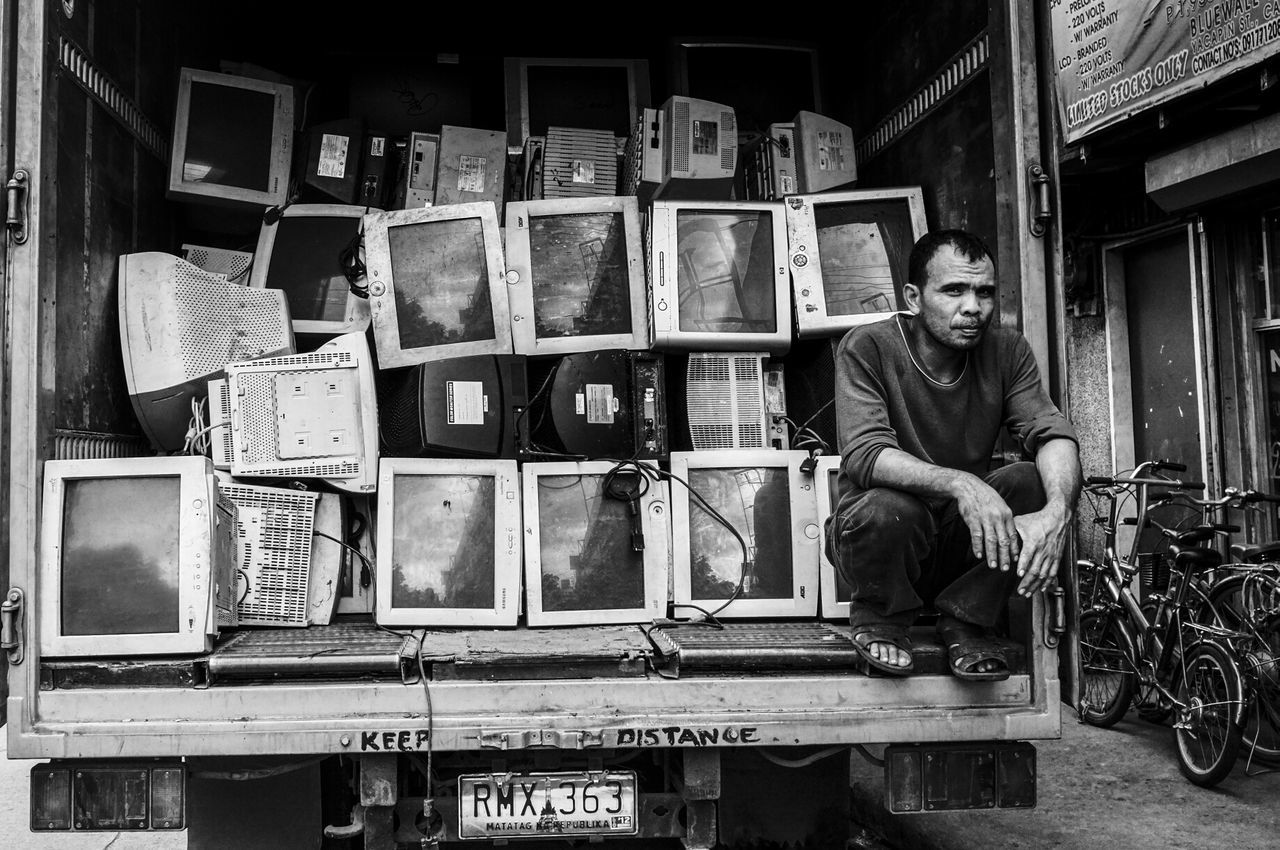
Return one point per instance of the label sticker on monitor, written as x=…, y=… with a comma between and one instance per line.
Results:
x=600, y=404
x=376, y=146
x=830, y=155
x=466, y=402
x=584, y=171
x=333, y=156
x=471, y=173
x=706, y=137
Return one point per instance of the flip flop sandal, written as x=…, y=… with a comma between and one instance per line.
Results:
x=967, y=653
x=864, y=636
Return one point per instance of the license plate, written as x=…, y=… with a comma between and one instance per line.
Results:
x=537, y=805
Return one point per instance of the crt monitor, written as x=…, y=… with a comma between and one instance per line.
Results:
x=309, y=415
x=437, y=285
x=449, y=542
x=834, y=592
x=849, y=253
x=232, y=140
x=179, y=327
x=718, y=276
x=576, y=275
x=594, y=405
x=596, y=94
x=136, y=557
x=314, y=253
x=460, y=407
x=595, y=544
x=773, y=557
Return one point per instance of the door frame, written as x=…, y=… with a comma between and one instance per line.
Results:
x=29, y=317
x=1120, y=378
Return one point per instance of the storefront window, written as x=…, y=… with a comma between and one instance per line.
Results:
x=1269, y=348
x=1266, y=270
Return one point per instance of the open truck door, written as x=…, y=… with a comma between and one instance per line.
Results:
x=84, y=103
x=961, y=112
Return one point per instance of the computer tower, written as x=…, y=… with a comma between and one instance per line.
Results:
x=596, y=404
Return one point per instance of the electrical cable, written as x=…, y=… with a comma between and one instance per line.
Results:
x=801, y=762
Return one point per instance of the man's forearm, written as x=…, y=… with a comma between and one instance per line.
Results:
x=901, y=471
x=1058, y=462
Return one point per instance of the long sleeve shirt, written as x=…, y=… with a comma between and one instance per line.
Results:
x=884, y=400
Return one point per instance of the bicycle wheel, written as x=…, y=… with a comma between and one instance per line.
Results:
x=1207, y=725
x=1107, y=679
x=1261, y=661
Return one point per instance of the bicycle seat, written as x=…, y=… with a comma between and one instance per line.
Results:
x=1256, y=552
x=1193, y=559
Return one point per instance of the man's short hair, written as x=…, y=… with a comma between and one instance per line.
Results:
x=968, y=245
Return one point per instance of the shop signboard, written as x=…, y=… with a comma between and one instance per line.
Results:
x=1113, y=58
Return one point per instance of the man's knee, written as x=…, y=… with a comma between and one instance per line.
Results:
x=1020, y=486
x=883, y=511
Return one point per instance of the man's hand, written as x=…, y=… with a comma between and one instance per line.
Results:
x=993, y=533
x=1044, y=534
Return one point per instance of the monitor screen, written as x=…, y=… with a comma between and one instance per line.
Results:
x=229, y=152
x=305, y=262
x=718, y=276
x=232, y=139
x=443, y=541
x=437, y=283
x=449, y=538
x=849, y=254
x=578, y=274
x=582, y=561
x=441, y=263
x=137, y=557
x=588, y=563
x=772, y=551
x=726, y=271
x=120, y=541
x=755, y=501
x=583, y=279
x=863, y=248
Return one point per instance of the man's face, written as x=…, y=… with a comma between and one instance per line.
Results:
x=958, y=298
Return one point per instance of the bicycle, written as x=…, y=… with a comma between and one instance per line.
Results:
x=1244, y=597
x=1180, y=663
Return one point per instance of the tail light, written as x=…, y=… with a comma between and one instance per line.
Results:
x=108, y=796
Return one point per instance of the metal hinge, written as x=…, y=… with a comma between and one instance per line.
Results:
x=11, y=625
x=1041, y=206
x=519, y=740
x=1055, y=617
x=15, y=206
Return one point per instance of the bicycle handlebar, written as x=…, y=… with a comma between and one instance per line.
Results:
x=1111, y=481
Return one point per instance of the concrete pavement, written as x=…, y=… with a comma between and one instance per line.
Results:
x=1097, y=788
